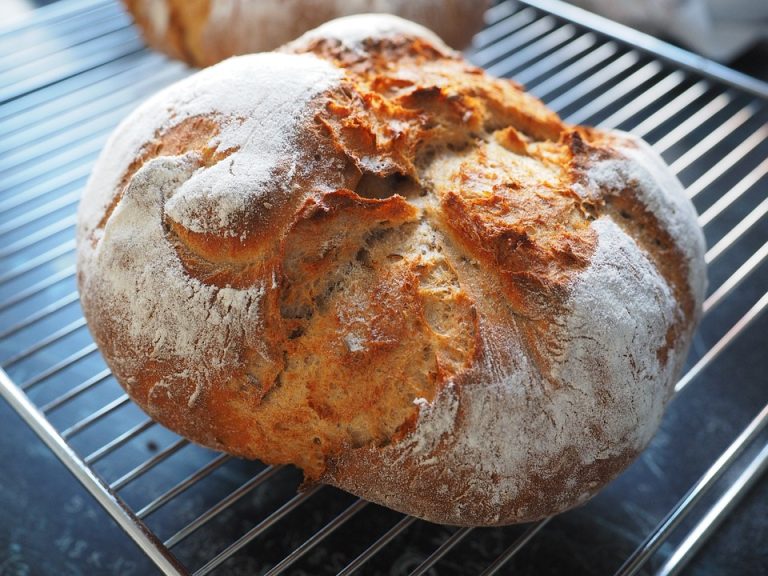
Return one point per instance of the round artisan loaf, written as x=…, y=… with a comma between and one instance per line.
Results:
x=204, y=32
x=363, y=256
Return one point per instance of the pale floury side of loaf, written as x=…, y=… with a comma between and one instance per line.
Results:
x=365, y=257
x=518, y=445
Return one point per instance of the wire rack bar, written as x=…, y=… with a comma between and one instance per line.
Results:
x=74, y=177
x=728, y=161
x=76, y=391
x=374, y=548
x=744, y=185
x=102, y=56
x=506, y=25
x=645, y=99
x=41, y=235
x=84, y=151
x=651, y=45
x=56, y=65
x=261, y=527
x=670, y=109
x=59, y=366
x=578, y=49
x=38, y=287
x=743, y=323
x=533, y=51
x=222, y=505
x=672, y=520
x=32, y=154
x=494, y=14
x=532, y=30
x=68, y=37
x=539, y=78
x=66, y=125
x=441, y=551
x=127, y=520
x=92, y=84
x=709, y=524
x=586, y=85
x=736, y=232
x=593, y=81
x=318, y=537
x=630, y=83
x=94, y=417
x=515, y=547
x=121, y=440
x=55, y=306
x=546, y=82
x=714, y=138
x=147, y=465
x=693, y=122
x=38, y=212
x=50, y=14
x=736, y=278
x=682, y=131
x=95, y=96
x=40, y=344
x=189, y=481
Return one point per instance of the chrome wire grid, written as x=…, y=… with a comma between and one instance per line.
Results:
x=67, y=77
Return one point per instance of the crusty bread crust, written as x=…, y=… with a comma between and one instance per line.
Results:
x=204, y=32
x=365, y=257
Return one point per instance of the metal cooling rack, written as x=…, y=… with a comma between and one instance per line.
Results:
x=73, y=70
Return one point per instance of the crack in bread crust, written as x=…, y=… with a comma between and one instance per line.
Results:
x=191, y=134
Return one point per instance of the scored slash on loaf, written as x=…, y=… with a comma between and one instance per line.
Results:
x=363, y=256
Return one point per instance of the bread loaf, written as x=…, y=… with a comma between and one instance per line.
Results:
x=363, y=256
x=204, y=32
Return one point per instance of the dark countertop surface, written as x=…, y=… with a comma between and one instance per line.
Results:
x=49, y=524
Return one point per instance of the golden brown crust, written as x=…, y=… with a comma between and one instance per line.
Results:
x=413, y=296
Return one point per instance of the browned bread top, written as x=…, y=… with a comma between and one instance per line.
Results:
x=204, y=32
x=364, y=256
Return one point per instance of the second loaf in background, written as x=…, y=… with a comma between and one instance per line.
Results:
x=203, y=32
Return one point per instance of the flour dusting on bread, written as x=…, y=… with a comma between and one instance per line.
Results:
x=263, y=132
x=156, y=306
x=353, y=31
x=640, y=167
x=259, y=123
